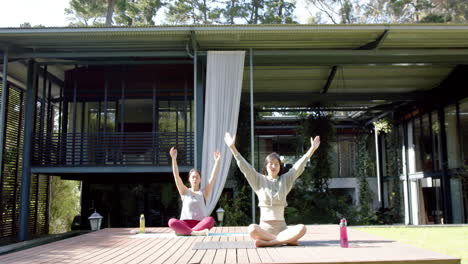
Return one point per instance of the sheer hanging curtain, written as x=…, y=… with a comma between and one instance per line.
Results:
x=223, y=92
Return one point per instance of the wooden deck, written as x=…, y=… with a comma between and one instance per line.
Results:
x=319, y=245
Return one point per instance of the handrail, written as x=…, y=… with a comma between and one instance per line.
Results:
x=111, y=148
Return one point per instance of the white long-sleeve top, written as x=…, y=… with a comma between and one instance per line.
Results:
x=271, y=192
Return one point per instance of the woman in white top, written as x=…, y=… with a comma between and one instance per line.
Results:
x=272, y=187
x=193, y=219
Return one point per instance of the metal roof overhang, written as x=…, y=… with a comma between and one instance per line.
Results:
x=294, y=65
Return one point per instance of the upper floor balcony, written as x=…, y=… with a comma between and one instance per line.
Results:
x=112, y=149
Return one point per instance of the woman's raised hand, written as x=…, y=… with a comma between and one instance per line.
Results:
x=173, y=153
x=315, y=142
x=229, y=139
x=217, y=156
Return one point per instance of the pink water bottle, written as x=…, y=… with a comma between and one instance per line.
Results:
x=343, y=234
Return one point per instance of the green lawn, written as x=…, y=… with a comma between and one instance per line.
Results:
x=452, y=241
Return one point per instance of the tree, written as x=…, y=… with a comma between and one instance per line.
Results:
x=397, y=11
x=234, y=9
x=141, y=12
x=109, y=12
x=338, y=11
x=86, y=12
x=448, y=11
x=64, y=204
x=193, y=12
x=278, y=12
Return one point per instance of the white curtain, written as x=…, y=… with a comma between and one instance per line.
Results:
x=222, y=98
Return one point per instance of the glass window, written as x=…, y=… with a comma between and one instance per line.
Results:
x=174, y=116
x=464, y=129
x=346, y=149
x=453, y=144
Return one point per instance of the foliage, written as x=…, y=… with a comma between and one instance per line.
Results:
x=338, y=12
x=64, y=204
x=193, y=12
x=389, y=11
x=86, y=12
x=243, y=146
x=383, y=125
x=167, y=194
x=144, y=12
x=394, y=169
x=365, y=169
x=105, y=12
x=310, y=201
x=319, y=124
x=236, y=209
x=137, y=13
x=311, y=207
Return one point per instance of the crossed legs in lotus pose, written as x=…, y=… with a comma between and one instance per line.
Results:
x=290, y=236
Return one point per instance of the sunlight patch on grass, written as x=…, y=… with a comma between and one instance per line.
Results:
x=451, y=241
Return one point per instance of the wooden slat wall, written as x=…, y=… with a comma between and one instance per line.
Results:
x=10, y=183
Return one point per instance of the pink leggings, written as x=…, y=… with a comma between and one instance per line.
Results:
x=185, y=227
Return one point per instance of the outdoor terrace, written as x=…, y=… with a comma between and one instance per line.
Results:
x=223, y=245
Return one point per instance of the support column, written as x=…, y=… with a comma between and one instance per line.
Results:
x=445, y=180
x=27, y=146
x=406, y=184
x=377, y=165
x=252, y=130
x=198, y=108
x=3, y=107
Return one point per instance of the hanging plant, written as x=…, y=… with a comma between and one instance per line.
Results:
x=319, y=124
x=383, y=125
x=364, y=169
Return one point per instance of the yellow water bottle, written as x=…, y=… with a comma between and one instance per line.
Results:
x=142, y=223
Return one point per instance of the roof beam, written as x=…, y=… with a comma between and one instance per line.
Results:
x=336, y=97
x=102, y=54
x=330, y=78
x=220, y=28
x=374, y=45
x=193, y=38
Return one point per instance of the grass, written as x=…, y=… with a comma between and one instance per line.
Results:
x=451, y=241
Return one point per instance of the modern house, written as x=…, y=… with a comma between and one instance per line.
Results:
x=104, y=105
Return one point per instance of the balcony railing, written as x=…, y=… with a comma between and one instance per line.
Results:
x=112, y=148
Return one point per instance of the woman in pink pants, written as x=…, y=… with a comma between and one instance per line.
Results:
x=193, y=219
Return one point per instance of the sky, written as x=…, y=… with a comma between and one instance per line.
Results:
x=51, y=13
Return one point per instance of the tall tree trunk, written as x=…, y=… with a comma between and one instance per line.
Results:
x=255, y=12
x=231, y=16
x=205, y=11
x=110, y=12
x=280, y=12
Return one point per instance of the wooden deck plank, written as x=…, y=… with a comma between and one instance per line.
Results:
x=242, y=256
x=165, y=252
x=122, y=251
x=186, y=246
x=264, y=255
x=319, y=245
x=275, y=256
x=134, y=255
x=253, y=255
x=220, y=256
x=189, y=253
x=198, y=256
x=210, y=253
x=180, y=241
x=231, y=255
